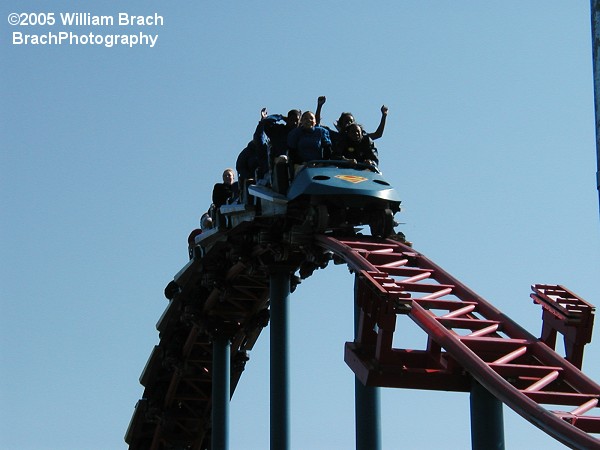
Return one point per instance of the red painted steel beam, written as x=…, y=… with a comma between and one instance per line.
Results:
x=475, y=354
x=566, y=313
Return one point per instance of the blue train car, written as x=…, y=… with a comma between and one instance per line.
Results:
x=333, y=195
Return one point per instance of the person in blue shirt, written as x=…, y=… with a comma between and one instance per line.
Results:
x=308, y=142
x=272, y=130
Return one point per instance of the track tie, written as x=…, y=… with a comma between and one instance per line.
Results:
x=437, y=294
x=393, y=264
x=418, y=277
x=543, y=382
x=523, y=370
x=459, y=312
x=559, y=398
x=485, y=331
x=511, y=356
x=585, y=407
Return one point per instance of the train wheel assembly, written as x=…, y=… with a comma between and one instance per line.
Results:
x=383, y=223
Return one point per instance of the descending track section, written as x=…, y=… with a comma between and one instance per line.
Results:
x=225, y=289
x=467, y=339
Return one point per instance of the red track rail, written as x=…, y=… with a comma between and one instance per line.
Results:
x=467, y=336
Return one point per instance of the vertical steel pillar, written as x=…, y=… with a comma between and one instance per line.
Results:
x=221, y=391
x=366, y=402
x=368, y=429
x=595, y=13
x=487, y=421
x=279, y=369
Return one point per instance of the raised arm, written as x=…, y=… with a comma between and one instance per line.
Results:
x=320, y=102
x=379, y=131
x=260, y=137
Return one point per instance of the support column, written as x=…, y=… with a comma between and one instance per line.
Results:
x=368, y=429
x=366, y=403
x=221, y=391
x=487, y=421
x=595, y=17
x=279, y=369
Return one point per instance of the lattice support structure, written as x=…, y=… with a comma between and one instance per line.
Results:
x=223, y=294
x=568, y=314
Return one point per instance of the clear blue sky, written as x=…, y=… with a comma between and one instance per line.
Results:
x=108, y=157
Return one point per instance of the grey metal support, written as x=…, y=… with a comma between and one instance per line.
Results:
x=366, y=403
x=595, y=16
x=221, y=391
x=279, y=369
x=487, y=421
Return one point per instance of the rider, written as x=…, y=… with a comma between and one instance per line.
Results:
x=354, y=144
x=308, y=142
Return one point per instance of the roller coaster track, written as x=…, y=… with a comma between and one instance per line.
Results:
x=226, y=290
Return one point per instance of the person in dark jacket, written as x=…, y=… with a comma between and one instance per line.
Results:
x=355, y=144
x=345, y=119
x=247, y=162
x=227, y=190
